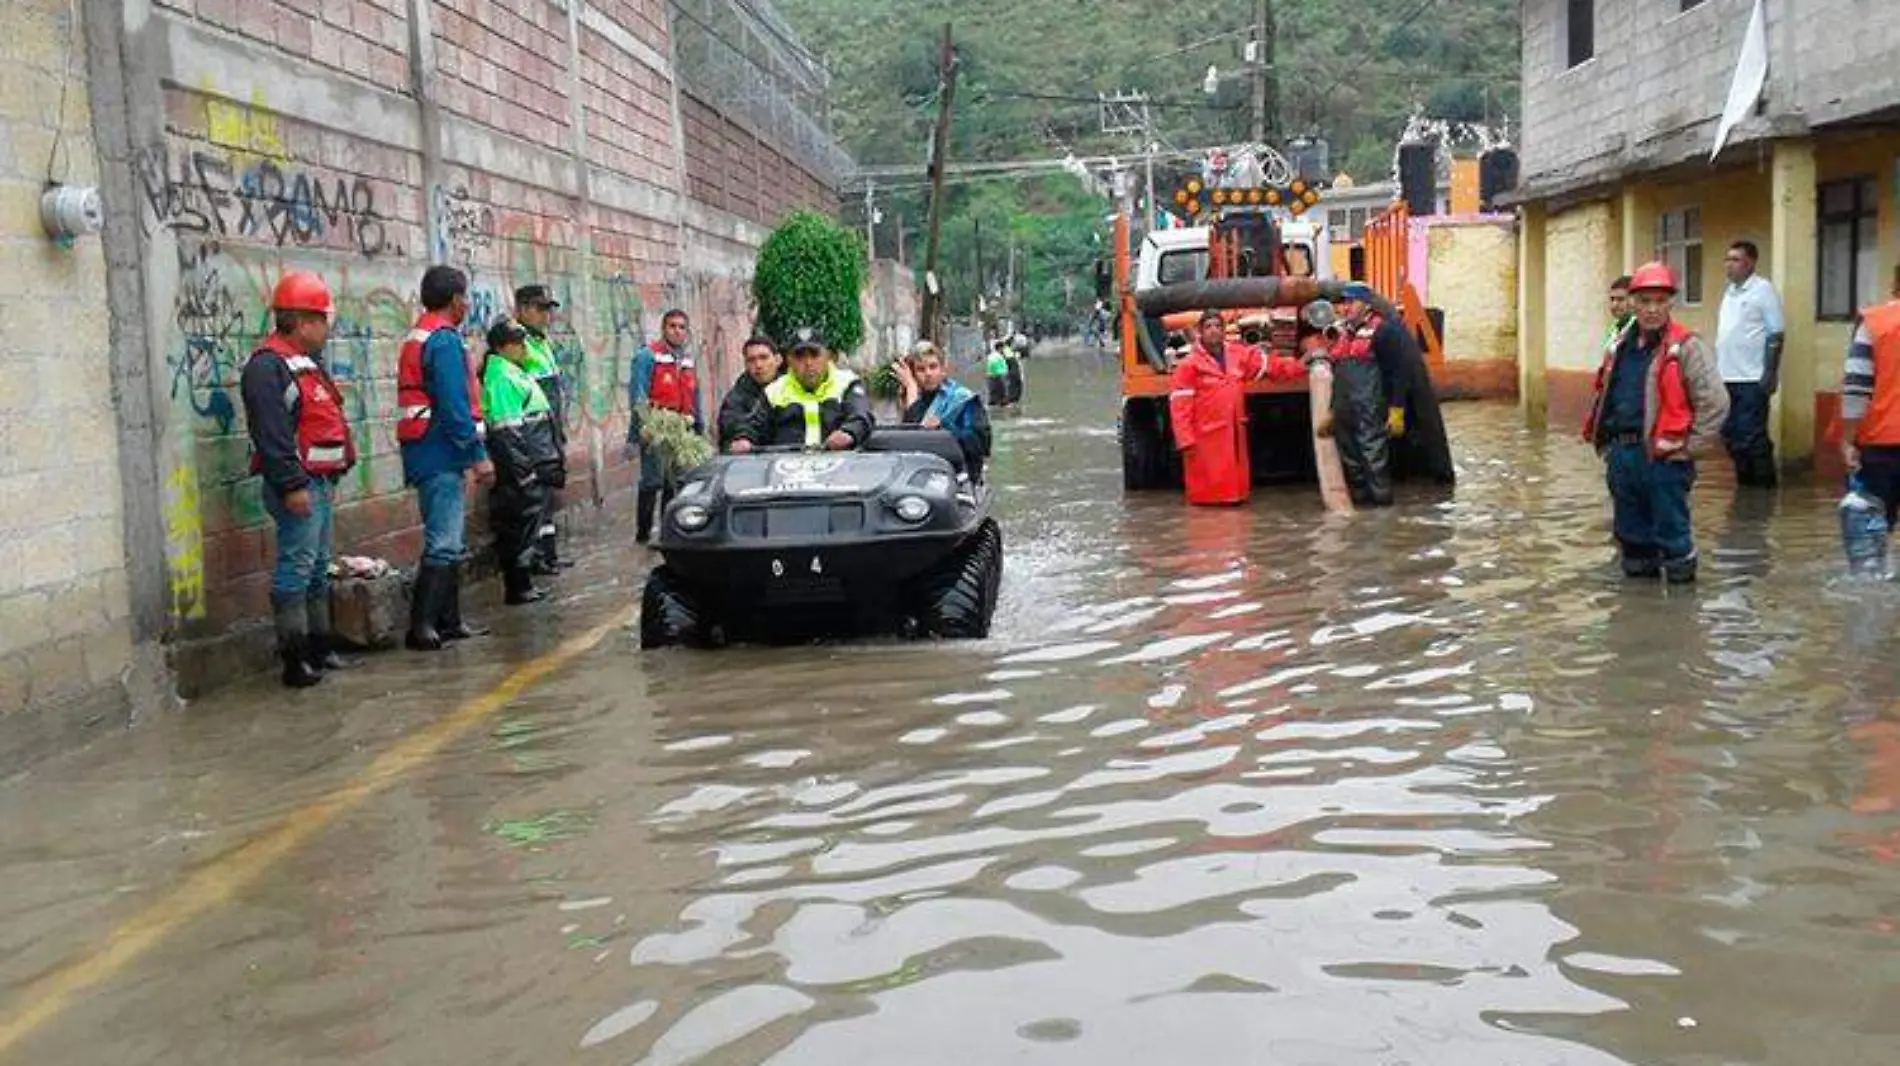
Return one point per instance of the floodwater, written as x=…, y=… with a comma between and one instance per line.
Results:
x=1427, y=786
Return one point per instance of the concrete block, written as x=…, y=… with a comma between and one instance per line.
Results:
x=43, y=555
x=371, y=612
x=107, y=653
x=26, y=619
x=56, y=669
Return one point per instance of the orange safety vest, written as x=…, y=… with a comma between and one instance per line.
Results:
x=1358, y=344
x=324, y=445
x=674, y=380
x=1882, y=424
x=414, y=408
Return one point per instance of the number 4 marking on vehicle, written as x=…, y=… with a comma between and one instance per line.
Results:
x=817, y=565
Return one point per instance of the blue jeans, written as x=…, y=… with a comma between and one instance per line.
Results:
x=303, y=544
x=444, y=518
x=1651, y=503
x=1746, y=434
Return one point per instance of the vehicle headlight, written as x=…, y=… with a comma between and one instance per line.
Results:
x=692, y=517
x=912, y=508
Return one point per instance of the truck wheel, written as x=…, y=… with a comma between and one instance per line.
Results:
x=958, y=598
x=1148, y=459
x=667, y=616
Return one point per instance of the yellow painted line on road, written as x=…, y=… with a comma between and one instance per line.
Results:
x=227, y=875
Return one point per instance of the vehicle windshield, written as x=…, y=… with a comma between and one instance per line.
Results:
x=1187, y=264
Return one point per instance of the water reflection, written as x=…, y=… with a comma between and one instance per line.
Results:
x=1263, y=785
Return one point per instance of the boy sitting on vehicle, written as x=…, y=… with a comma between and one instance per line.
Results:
x=934, y=399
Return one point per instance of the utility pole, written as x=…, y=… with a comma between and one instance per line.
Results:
x=1266, y=80
x=1154, y=210
x=939, y=147
x=982, y=277
x=870, y=220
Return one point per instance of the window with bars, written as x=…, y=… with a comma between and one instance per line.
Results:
x=1849, y=252
x=1679, y=244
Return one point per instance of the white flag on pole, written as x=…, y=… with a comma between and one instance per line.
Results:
x=1751, y=73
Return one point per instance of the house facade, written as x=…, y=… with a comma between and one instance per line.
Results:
x=1622, y=102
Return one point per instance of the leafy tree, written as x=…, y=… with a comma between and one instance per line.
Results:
x=809, y=273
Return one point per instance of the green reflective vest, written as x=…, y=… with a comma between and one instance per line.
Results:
x=998, y=364
x=787, y=391
x=510, y=395
x=540, y=362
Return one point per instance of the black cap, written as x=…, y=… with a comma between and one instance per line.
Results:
x=505, y=331
x=804, y=338
x=535, y=296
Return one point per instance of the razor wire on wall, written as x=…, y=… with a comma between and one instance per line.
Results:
x=743, y=59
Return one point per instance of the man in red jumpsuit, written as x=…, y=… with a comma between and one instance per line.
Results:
x=1208, y=406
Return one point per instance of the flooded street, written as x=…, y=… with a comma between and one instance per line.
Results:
x=1428, y=786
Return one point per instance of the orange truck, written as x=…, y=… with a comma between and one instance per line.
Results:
x=1256, y=254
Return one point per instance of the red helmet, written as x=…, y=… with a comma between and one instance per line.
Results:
x=300, y=290
x=1652, y=276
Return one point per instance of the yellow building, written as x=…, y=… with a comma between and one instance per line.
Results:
x=1622, y=101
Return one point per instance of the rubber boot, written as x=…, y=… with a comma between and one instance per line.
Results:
x=549, y=560
x=1641, y=561
x=1680, y=571
x=448, y=620
x=518, y=587
x=293, y=643
x=425, y=605
x=321, y=649
x=643, y=515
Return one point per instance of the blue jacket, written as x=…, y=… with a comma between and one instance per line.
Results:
x=452, y=443
x=962, y=413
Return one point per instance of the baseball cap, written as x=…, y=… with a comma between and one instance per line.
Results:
x=1355, y=290
x=535, y=296
x=805, y=338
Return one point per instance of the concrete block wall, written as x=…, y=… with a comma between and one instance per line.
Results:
x=1654, y=90
x=65, y=630
x=524, y=140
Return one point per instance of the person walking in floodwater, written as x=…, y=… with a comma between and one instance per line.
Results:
x=1870, y=402
x=1659, y=400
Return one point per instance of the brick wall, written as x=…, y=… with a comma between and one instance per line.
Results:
x=267, y=136
x=729, y=168
x=64, y=631
x=1651, y=95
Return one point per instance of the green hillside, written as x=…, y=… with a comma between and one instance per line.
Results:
x=1031, y=71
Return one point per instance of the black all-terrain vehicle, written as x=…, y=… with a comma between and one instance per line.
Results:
x=787, y=543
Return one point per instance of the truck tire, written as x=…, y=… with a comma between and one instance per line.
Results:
x=667, y=616
x=1148, y=459
x=957, y=599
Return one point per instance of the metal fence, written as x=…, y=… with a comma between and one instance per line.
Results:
x=741, y=57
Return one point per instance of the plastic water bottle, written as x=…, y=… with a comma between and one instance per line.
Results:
x=1863, y=529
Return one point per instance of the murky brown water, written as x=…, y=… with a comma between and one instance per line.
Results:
x=1425, y=786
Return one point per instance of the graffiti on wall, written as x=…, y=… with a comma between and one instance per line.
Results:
x=184, y=543
x=212, y=193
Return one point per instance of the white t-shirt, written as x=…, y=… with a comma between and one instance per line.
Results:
x=1750, y=312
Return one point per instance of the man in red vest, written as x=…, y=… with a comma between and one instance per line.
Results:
x=1659, y=400
x=663, y=376
x=439, y=424
x=300, y=445
x=1208, y=408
